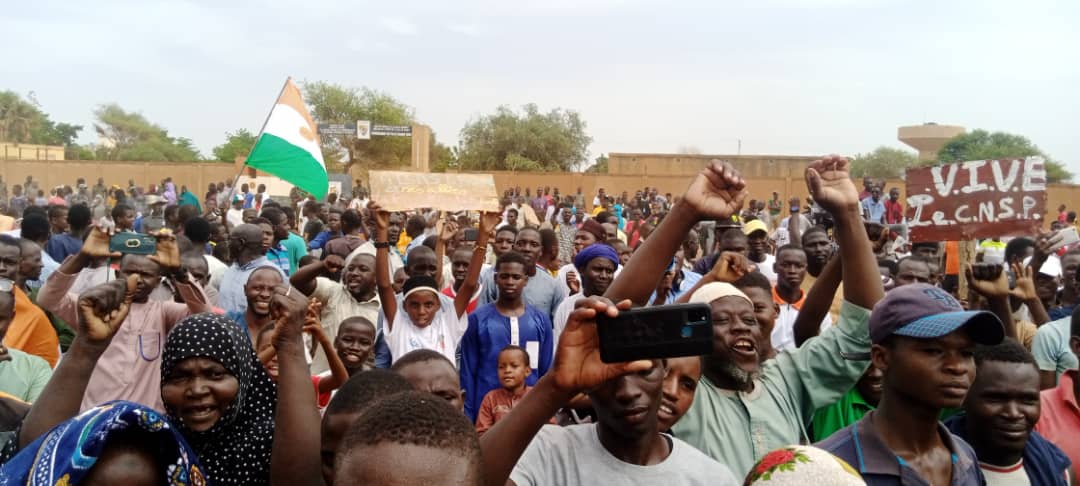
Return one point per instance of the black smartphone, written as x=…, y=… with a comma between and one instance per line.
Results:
x=471, y=234
x=667, y=331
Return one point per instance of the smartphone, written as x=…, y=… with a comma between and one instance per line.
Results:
x=1068, y=236
x=667, y=331
x=471, y=234
x=134, y=243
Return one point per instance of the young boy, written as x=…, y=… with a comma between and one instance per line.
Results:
x=507, y=321
x=410, y=438
x=459, y=268
x=358, y=393
x=923, y=343
x=425, y=323
x=354, y=343
x=325, y=384
x=513, y=369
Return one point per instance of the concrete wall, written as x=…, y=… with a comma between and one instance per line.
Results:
x=785, y=178
x=26, y=151
x=49, y=173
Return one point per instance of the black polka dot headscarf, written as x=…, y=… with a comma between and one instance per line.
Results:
x=236, y=450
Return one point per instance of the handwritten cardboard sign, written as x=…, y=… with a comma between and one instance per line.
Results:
x=401, y=191
x=976, y=199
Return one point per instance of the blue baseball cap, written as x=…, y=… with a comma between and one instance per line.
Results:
x=923, y=311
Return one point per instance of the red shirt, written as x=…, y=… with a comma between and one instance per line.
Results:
x=321, y=399
x=894, y=212
x=449, y=291
x=1060, y=419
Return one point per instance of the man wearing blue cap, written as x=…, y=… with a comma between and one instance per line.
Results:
x=923, y=343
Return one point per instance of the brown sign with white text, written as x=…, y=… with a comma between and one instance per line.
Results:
x=976, y=199
x=403, y=191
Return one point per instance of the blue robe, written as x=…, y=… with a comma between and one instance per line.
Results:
x=488, y=333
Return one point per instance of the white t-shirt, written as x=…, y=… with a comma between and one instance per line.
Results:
x=766, y=268
x=442, y=335
x=562, y=314
x=1014, y=475
x=574, y=455
x=783, y=333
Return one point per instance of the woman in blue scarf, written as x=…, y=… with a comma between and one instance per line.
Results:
x=115, y=443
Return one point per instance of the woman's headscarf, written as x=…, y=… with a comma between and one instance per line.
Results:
x=67, y=453
x=236, y=450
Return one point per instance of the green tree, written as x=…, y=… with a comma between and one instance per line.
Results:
x=333, y=103
x=23, y=121
x=983, y=145
x=883, y=163
x=130, y=136
x=600, y=166
x=236, y=143
x=506, y=140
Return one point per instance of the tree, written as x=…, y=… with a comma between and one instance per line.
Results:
x=130, y=136
x=333, y=103
x=983, y=145
x=23, y=121
x=883, y=163
x=555, y=141
x=600, y=166
x=236, y=143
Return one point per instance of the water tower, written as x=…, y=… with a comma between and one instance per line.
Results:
x=928, y=138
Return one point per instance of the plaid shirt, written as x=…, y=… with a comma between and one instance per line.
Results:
x=279, y=255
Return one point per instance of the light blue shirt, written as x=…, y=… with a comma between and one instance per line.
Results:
x=231, y=296
x=875, y=211
x=1050, y=347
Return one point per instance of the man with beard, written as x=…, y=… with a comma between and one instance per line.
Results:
x=508, y=321
x=541, y=290
x=744, y=408
x=246, y=249
x=1000, y=411
x=130, y=368
x=923, y=343
x=354, y=295
x=624, y=446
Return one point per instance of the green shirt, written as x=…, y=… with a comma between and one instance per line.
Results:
x=738, y=428
x=843, y=413
x=24, y=375
x=297, y=249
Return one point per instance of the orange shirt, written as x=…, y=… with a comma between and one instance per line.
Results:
x=952, y=258
x=31, y=332
x=1060, y=419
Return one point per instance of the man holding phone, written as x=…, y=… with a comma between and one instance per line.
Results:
x=739, y=392
x=119, y=375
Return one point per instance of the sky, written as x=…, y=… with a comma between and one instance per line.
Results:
x=799, y=77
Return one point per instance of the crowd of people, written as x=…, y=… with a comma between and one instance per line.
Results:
x=155, y=336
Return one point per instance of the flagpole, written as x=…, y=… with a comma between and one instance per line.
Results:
x=236, y=179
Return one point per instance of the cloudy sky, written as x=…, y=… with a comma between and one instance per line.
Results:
x=782, y=76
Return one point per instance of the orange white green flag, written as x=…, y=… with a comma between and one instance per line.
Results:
x=288, y=146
